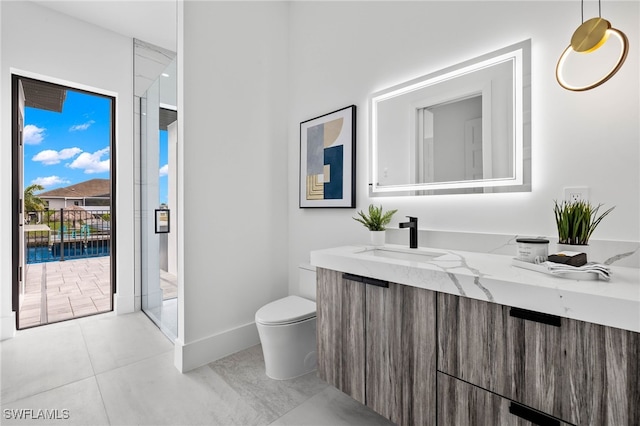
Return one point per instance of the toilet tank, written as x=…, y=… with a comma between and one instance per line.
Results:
x=307, y=281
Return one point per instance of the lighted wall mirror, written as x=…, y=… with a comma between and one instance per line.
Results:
x=463, y=129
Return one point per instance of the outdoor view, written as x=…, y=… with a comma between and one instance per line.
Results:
x=67, y=203
x=67, y=197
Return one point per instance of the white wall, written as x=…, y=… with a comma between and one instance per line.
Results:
x=232, y=125
x=38, y=42
x=342, y=52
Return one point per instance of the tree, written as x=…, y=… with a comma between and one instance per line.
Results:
x=31, y=201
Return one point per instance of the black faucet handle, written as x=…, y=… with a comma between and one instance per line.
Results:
x=412, y=218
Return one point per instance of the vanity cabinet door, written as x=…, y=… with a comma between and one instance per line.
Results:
x=580, y=372
x=602, y=374
x=463, y=404
x=401, y=353
x=340, y=333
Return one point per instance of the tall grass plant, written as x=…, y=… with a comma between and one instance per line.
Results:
x=576, y=221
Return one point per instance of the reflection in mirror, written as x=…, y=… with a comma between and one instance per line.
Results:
x=456, y=126
x=461, y=130
x=156, y=100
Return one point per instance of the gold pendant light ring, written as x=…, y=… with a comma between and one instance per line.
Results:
x=621, y=58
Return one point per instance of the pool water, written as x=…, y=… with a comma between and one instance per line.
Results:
x=41, y=254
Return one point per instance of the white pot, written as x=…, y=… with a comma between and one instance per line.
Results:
x=377, y=237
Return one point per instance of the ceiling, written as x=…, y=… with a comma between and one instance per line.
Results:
x=153, y=21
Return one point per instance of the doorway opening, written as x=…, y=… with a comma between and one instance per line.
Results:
x=63, y=189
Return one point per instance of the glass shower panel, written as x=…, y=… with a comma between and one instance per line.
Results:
x=158, y=145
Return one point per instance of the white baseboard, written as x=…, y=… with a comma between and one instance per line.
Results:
x=201, y=352
x=123, y=304
x=8, y=326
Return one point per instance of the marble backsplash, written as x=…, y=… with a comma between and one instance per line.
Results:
x=618, y=253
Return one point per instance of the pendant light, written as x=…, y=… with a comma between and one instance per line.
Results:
x=588, y=38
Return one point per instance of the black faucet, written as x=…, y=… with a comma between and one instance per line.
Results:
x=413, y=231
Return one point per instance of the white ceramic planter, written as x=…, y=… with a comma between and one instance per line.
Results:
x=378, y=237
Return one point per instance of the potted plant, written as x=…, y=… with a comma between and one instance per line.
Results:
x=576, y=221
x=375, y=222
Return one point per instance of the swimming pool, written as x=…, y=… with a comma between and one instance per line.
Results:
x=77, y=250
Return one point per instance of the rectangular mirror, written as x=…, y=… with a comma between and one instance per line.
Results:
x=464, y=129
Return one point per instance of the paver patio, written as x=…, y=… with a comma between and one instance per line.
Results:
x=58, y=291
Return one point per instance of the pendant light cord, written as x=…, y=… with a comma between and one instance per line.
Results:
x=582, y=9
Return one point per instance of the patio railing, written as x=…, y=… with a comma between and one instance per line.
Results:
x=69, y=233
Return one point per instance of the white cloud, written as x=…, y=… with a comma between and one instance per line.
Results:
x=92, y=163
x=164, y=170
x=83, y=126
x=50, y=181
x=32, y=135
x=49, y=157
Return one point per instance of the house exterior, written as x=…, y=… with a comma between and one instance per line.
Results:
x=90, y=193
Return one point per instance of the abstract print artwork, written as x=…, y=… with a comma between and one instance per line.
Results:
x=327, y=159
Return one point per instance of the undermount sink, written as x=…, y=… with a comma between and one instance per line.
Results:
x=413, y=255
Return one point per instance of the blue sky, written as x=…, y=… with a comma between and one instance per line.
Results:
x=62, y=149
x=164, y=161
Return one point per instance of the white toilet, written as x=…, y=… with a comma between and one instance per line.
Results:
x=287, y=329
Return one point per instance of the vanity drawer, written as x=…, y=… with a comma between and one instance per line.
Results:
x=463, y=404
x=580, y=372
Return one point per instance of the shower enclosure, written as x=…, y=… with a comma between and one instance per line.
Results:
x=156, y=100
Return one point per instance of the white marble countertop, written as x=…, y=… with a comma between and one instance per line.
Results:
x=493, y=278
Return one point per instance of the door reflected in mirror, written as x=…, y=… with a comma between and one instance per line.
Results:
x=464, y=129
x=449, y=141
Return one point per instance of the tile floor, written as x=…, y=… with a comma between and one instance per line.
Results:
x=118, y=370
x=169, y=285
x=165, y=316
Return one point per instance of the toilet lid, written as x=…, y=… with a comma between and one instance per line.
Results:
x=286, y=311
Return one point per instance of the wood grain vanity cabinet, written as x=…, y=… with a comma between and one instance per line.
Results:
x=419, y=357
x=377, y=344
x=463, y=404
x=340, y=333
x=575, y=371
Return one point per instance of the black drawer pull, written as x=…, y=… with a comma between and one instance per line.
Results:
x=373, y=281
x=533, y=416
x=535, y=316
x=365, y=280
x=351, y=277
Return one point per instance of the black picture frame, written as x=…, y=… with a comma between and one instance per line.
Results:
x=328, y=160
x=162, y=221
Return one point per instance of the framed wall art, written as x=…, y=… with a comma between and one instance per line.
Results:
x=328, y=160
x=162, y=221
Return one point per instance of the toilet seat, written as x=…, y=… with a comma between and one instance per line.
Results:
x=288, y=310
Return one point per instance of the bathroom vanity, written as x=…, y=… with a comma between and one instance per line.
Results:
x=458, y=338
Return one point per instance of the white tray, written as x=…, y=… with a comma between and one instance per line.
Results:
x=577, y=275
